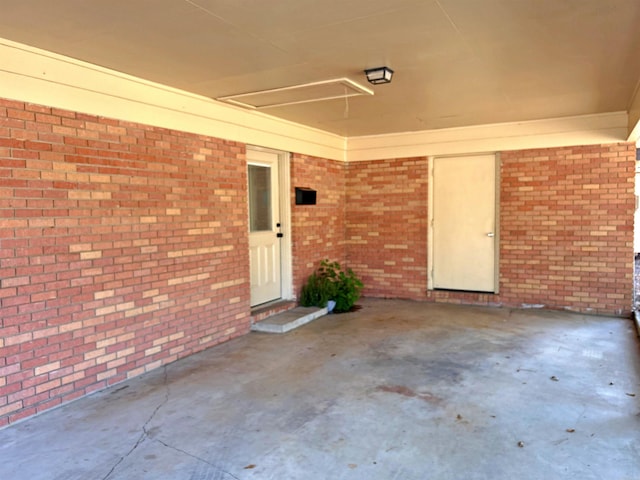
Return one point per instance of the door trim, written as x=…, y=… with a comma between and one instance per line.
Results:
x=430, y=197
x=496, y=256
x=286, y=256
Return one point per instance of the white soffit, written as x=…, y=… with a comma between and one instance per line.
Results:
x=296, y=94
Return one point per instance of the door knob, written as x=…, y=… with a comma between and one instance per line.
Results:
x=491, y=234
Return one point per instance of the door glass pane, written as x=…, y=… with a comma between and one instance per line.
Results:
x=259, y=198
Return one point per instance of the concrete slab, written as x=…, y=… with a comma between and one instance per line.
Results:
x=396, y=390
x=289, y=320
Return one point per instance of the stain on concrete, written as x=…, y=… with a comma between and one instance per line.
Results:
x=408, y=392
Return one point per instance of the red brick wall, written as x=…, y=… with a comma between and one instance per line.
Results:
x=318, y=231
x=122, y=247
x=387, y=226
x=566, y=217
x=566, y=221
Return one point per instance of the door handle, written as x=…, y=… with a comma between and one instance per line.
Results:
x=491, y=234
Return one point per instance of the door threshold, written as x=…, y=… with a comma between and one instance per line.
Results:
x=454, y=290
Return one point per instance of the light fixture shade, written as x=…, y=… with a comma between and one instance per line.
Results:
x=379, y=75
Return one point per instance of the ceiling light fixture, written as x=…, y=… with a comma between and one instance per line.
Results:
x=379, y=75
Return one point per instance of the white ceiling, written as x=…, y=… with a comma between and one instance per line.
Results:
x=457, y=62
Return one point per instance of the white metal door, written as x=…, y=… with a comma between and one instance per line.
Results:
x=264, y=223
x=464, y=223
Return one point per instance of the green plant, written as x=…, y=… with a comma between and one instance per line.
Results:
x=317, y=291
x=331, y=282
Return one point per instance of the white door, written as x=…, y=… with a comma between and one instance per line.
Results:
x=464, y=223
x=264, y=223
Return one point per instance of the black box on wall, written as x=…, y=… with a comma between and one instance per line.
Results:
x=305, y=196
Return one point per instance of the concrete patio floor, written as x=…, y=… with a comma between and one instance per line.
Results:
x=398, y=390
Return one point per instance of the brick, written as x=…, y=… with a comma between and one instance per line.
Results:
x=10, y=408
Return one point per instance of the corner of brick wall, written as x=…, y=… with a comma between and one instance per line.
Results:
x=318, y=231
x=123, y=247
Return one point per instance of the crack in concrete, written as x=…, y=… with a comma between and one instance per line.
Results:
x=145, y=432
x=197, y=458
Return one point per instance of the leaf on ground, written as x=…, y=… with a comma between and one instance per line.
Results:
x=249, y=467
x=554, y=378
x=571, y=430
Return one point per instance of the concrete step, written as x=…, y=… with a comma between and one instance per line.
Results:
x=263, y=311
x=287, y=321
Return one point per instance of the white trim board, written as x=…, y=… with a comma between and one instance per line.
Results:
x=38, y=76
x=557, y=132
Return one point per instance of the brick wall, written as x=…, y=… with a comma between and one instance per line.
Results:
x=318, y=231
x=567, y=228
x=122, y=247
x=387, y=226
x=566, y=217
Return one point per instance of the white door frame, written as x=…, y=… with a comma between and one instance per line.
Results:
x=286, y=256
x=430, y=249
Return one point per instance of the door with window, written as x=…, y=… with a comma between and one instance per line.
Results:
x=464, y=223
x=264, y=227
